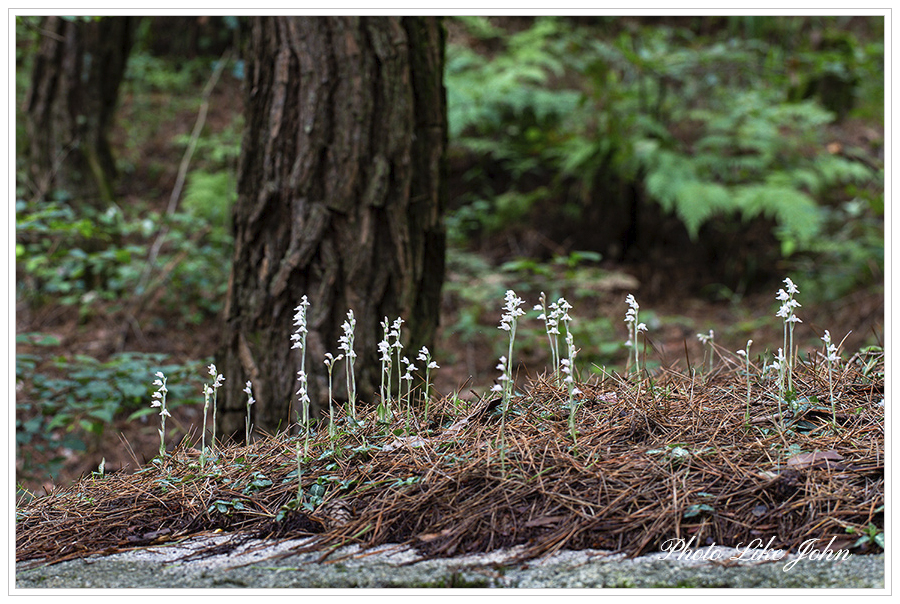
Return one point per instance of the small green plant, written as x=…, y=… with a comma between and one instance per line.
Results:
x=870, y=534
x=746, y=354
x=780, y=364
x=634, y=329
x=430, y=364
x=408, y=378
x=207, y=392
x=299, y=339
x=398, y=346
x=248, y=388
x=708, y=340
x=508, y=324
x=786, y=312
x=329, y=364
x=384, y=348
x=225, y=507
x=550, y=317
x=346, y=344
x=567, y=368
x=159, y=400
x=214, y=389
x=832, y=356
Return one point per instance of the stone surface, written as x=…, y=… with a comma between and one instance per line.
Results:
x=258, y=564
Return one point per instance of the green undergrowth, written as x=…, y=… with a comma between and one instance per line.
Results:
x=712, y=127
x=80, y=257
x=67, y=403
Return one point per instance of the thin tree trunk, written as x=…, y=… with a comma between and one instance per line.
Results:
x=71, y=104
x=340, y=198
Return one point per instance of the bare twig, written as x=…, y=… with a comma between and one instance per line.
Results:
x=142, y=288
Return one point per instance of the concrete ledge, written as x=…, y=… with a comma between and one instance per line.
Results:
x=253, y=566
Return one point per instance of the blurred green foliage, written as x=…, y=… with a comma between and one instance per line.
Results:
x=66, y=402
x=83, y=257
x=107, y=261
x=712, y=126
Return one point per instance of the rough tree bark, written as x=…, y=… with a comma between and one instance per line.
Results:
x=71, y=104
x=340, y=197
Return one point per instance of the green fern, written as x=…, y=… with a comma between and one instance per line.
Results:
x=702, y=123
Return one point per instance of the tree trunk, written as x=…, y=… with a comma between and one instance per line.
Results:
x=340, y=198
x=71, y=104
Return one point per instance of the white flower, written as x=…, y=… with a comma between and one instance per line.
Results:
x=249, y=391
x=300, y=322
x=218, y=378
x=330, y=359
x=792, y=289
x=830, y=349
x=346, y=340
x=512, y=305
x=159, y=397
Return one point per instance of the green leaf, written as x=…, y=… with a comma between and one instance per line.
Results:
x=697, y=509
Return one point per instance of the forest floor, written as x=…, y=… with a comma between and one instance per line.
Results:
x=746, y=469
x=638, y=462
x=468, y=344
